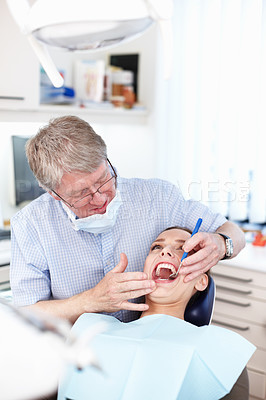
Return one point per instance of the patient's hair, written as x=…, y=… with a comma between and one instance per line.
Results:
x=66, y=144
x=177, y=227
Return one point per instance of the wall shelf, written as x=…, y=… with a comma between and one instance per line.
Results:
x=46, y=112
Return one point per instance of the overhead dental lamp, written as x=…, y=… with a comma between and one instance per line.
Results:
x=89, y=25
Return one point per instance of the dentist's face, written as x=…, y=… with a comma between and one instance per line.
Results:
x=164, y=259
x=77, y=185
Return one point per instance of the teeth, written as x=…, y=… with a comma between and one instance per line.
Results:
x=168, y=266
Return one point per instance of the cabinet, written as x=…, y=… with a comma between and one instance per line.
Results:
x=240, y=305
x=4, y=278
x=19, y=79
x=5, y=253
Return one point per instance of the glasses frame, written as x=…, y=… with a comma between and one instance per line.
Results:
x=90, y=194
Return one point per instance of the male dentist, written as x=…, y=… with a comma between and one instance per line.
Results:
x=81, y=246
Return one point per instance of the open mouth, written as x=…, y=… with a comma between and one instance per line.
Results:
x=162, y=272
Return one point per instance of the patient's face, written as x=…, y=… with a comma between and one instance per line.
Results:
x=164, y=259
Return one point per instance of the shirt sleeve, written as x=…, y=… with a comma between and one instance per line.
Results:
x=185, y=213
x=29, y=272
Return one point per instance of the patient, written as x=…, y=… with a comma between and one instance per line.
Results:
x=170, y=296
x=160, y=356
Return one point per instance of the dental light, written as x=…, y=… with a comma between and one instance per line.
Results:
x=89, y=25
x=34, y=350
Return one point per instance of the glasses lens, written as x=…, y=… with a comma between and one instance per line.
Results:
x=102, y=189
x=83, y=202
x=107, y=185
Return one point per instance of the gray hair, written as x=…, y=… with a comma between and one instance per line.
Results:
x=66, y=144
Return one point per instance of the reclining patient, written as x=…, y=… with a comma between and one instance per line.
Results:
x=160, y=356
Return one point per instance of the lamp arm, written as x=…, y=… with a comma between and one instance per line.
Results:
x=46, y=61
x=19, y=10
x=160, y=9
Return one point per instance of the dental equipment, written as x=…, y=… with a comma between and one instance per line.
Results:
x=35, y=345
x=196, y=229
x=86, y=25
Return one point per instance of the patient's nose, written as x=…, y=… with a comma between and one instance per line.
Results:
x=167, y=251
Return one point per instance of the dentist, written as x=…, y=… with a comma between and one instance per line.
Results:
x=69, y=245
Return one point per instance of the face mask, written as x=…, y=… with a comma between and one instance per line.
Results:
x=97, y=223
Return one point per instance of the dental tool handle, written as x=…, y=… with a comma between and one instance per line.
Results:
x=195, y=230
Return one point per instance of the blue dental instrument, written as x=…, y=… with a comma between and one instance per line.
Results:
x=196, y=229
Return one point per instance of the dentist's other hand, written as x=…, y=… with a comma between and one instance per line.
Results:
x=205, y=249
x=117, y=287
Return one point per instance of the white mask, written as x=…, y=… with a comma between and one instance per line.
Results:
x=97, y=223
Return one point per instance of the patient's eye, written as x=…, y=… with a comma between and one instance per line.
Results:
x=156, y=247
x=179, y=248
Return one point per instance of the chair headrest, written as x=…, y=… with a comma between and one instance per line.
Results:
x=199, y=312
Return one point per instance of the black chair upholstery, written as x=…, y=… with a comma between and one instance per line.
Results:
x=199, y=312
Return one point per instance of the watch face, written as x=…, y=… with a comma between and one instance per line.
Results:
x=229, y=247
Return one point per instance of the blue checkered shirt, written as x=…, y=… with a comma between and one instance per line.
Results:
x=50, y=260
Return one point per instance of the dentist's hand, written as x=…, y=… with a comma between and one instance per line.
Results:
x=206, y=250
x=117, y=287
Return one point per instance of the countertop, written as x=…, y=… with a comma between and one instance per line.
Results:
x=5, y=252
x=251, y=257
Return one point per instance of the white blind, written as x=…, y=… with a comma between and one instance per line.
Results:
x=211, y=117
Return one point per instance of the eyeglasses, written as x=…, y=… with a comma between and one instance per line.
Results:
x=88, y=197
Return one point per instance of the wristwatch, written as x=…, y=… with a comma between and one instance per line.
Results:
x=228, y=246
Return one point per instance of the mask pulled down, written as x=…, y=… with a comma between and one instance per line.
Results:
x=97, y=223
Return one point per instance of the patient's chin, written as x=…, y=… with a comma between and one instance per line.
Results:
x=161, y=295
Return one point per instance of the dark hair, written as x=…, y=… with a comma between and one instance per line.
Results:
x=177, y=227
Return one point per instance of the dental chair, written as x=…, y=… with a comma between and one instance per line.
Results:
x=200, y=309
x=199, y=312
